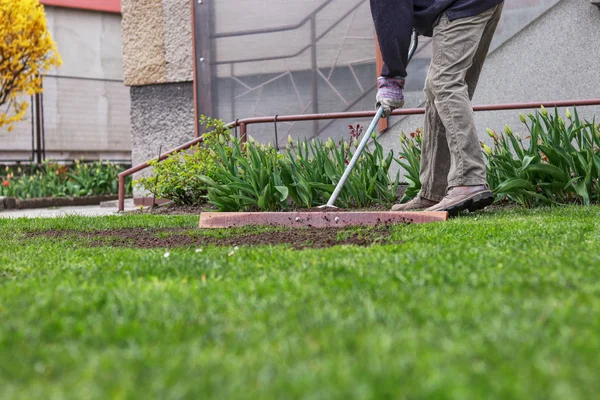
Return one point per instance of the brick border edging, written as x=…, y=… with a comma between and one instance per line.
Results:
x=12, y=203
x=318, y=219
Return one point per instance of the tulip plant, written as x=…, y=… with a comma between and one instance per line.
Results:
x=558, y=162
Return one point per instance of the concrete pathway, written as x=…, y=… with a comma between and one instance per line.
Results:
x=109, y=208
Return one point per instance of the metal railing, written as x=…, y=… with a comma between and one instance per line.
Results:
x=243, y=126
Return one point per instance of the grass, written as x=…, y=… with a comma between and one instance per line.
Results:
x=502, y=305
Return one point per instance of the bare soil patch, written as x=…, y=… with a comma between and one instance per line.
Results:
x=184, y=237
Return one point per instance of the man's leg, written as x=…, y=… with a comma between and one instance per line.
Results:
x=484, y=46
x=435, y=154
x=459, y=49
x=435, y=160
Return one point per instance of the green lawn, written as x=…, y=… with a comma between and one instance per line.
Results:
x=502, y=305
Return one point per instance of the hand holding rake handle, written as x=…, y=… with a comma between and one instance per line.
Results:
x=365, y=139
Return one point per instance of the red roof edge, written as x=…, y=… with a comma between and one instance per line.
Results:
x=111, y=6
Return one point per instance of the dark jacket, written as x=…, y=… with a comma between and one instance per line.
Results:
x=427, y=12
x=395, y=20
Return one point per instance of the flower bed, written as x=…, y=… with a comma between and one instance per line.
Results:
x=236, y=176
x=557, y=162
x=46, y=184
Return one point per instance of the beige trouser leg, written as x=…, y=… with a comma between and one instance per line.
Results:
x=451, y=155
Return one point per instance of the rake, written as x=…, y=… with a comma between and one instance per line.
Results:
x=363, y=143
x=330, y=218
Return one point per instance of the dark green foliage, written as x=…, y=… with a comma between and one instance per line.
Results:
x=247, y=178
x=558, y=163
x=312, y=170
x=60, y=180
x=410, y=160
x=257, y=177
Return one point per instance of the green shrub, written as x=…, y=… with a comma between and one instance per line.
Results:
x=558, y=163
x=178, y=177
x=59, y=180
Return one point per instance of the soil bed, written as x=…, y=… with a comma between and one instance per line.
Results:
x=174, y=209
x=183, y=237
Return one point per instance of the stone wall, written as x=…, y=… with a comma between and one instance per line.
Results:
x=157, y=41
x=157, y=60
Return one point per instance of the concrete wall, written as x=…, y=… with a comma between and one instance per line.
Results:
x=86, y=104
x=89, y=42
x=162, y=115
x=157, y=60
x=551, y=59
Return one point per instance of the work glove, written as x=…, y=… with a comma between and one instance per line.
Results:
x=390, y=94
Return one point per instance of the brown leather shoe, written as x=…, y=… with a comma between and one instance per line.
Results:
x=461, y=198
x=418, y=203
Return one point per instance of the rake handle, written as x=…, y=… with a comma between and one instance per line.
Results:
x=355, y=157
x=411, y=52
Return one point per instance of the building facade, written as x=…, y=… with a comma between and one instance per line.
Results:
x=84, y=109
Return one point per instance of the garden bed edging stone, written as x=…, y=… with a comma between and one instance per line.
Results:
x=11, y=203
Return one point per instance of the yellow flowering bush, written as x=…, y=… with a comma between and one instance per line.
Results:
x=26, y=52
